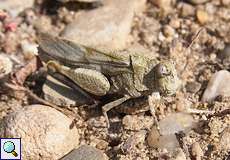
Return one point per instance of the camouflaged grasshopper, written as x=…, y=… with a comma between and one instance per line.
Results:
x=97, y=74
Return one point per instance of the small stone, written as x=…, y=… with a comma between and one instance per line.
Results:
x=175, y=23
x=225, y=54
x=197, y=151
x=42, y=24
x=202, y=16
x=225, y=139
x=217, y=86
x=176, y=122
x=135, y=122
x=29, y=49
x=165, y=5
x=107, y=27
x=15, y=6
x=11, y=26
x=85, y=152
x=10, y=42
x=198, y=1
x=179, y=155
x=60, y=94
x=6, y=66
x=102, y=144
x=225, y=2
x=44, y=131
x=165, y=136
x=193, y=87
x=156, y=140
x=182, y=103
x=168, y=31
x=187, y=10
x=132, y=141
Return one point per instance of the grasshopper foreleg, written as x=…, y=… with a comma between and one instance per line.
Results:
x=111, y=105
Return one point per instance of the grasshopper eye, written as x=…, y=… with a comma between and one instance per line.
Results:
x=162, y=70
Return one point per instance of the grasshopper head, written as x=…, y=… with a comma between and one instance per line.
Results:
x=163, y=78
x=53, y=66
x=166, y=78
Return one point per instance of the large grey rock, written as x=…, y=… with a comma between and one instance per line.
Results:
x=85, y=152
x=15, y=6
x=217, y=85
x=105, y=27
x=45, y=132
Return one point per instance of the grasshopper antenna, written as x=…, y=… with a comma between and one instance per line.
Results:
x=189, y=47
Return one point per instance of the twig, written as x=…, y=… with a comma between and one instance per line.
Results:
x=198, y=111
x=195, y=37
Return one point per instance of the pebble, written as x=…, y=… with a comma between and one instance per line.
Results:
x=193, y=87
x=14, y=7
x=44, y=131
x=224, y=55
x=179, y=155
x=133, y=140
x=197, y=151
x=165, y=138
x=165, y=5
x=225, y=139
x=43, y=24
x=168, y=31
x=198, y=1
x=29, y=49
x=107, y=27
x=6, y=66
x=217, y=86
x=225, y=2
x=10, y=42
x=175, y=23
x=85, y=152
x=202, y=16
x=135, y=122
x=187, y=10
x=156, y=140
x=60, y=94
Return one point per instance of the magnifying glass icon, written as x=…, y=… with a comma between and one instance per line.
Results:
x=9, y=147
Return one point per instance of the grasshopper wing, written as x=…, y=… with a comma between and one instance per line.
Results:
x=75, y=55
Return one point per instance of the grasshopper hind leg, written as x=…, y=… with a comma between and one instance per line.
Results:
x=107, y=107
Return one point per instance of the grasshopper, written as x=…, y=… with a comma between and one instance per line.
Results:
x=97, y=73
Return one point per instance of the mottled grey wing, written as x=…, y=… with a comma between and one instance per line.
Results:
x=72, y=54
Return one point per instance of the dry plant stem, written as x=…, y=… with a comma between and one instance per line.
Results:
x=198, y=111
x=180, y=138
x=68, y=113
x=195, y=37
